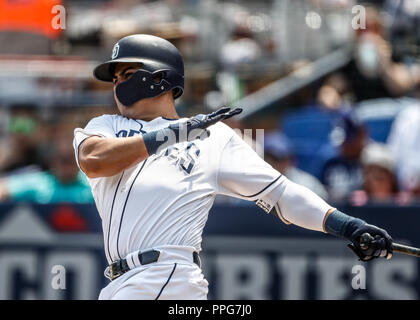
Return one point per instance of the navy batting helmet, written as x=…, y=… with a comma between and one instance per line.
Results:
x=158, y=57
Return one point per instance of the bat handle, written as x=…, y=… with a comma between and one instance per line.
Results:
x=365, y=240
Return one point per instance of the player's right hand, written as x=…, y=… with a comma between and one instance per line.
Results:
x=378, y=244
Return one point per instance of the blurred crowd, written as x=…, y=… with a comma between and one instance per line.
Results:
x=353, y=135
x=372, y=151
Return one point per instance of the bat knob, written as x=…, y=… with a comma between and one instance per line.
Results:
x=365, y=240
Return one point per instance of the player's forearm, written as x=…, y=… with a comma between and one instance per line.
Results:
x=105, y=157
x=300, y=206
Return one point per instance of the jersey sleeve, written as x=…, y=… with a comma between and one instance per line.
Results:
x=243, y=174
x=101, y=126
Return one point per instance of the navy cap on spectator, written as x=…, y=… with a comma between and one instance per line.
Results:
x=346, y=128
x=278, y=145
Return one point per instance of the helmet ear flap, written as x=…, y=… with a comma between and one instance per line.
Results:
x=177, y=82
x=177, y=92
x=159, y=76
x=164, y=74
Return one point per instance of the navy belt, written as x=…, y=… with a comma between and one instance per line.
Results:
x=119, y=267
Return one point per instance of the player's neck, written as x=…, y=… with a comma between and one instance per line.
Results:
x=158, y=107
x=168, y=113
x=166, y=108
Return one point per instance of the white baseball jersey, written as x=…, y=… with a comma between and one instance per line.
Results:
x=165, y=199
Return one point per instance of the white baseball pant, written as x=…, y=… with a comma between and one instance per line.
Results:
x=173, y=277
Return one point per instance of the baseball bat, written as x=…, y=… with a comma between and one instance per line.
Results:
x=366, y=238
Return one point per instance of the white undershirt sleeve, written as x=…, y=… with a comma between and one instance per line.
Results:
x=300, y=206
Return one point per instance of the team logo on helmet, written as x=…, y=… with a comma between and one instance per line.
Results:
x=115, y=51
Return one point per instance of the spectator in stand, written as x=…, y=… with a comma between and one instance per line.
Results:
x=404, y=31
x=374, y=71
x=278, y=152
x=342, y=174
x=379, y=179
x=242, y=48
x=18, y=152
x=62, y=183
x=335, y=93
x=404, y=143
x=413, y=194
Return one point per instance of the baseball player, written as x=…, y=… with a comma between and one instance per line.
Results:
x=154, y=177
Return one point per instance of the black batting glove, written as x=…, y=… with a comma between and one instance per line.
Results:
x=191, y=129
x=203, y=121
x=369, y=242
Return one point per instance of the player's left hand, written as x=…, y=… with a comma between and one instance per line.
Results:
x=202, y=121
x=379, y=246
x=189, y=130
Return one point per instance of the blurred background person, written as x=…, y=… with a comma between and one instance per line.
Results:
x=412, y=195
x=63, y=182
x=404, y=143
x=19, y=146
x=240, y=49
x=335, y=93
x=374, y=71
x=342, y=173
x=278, y=152
x=403, y=19
x=379, y=179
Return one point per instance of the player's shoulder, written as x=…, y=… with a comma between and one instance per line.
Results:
x=105, y=124
x=223, y=132
x=220, y=135
x=106, y=118
x=221, y=128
